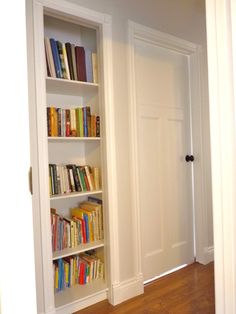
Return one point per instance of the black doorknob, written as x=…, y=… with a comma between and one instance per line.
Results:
x=189, y=158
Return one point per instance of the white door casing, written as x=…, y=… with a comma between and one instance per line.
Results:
x=192, y=52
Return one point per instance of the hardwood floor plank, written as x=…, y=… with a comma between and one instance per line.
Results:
x=187, y=291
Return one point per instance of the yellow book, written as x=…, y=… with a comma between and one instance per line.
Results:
x=80, y=213
x=56, y=278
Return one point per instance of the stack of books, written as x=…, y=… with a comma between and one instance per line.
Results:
x=74, y=122
x=71, y=62
x=78, y=269
x=84, y=226
x=64, y=179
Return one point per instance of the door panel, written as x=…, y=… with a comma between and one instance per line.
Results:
x=165, y=183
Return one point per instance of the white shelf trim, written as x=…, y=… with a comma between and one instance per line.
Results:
x=70, y=138
x=78, y=249
x=74, y=194
x=61, y=80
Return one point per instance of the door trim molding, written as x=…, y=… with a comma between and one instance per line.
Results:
x=194, y=53
x=221, y=44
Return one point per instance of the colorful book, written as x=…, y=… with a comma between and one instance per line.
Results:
x=49, y=56
x=56, y=58
x=69, y=58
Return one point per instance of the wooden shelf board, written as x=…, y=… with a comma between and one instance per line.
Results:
x=72, y=139
x=69, y=87
x=74, y=194
x=79, y=249
x=79, y=292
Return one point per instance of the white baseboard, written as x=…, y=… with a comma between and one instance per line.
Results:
x=207, y=256
x=82, y=303
x=127, y=289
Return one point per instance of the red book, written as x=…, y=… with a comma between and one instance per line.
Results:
x=67, y=122
x=80, y=62
x=81, y=273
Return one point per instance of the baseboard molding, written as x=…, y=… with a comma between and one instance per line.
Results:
x=207, y=256
x=82, y=303
x=127, y=289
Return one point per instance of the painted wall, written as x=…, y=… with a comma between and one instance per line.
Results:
x=182, y=18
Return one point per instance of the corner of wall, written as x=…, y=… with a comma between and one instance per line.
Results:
x=127, y=289
x=207, y=256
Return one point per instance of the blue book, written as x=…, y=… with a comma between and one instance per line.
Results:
x=60, y=274
x=85, y=217
x=85, y=121
x=88, y=65
x=56, y=58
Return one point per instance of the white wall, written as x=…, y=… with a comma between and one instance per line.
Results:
x=17, y=272
x=182, y=18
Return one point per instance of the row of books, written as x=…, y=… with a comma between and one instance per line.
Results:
x=75, y=122
x=85, y=226
x=64, y=179
x=71, y=62
x=78, y=269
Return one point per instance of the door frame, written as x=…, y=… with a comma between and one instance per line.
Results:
x=204, y=254
x=221, y=45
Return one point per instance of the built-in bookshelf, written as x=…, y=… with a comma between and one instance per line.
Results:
x=72, y=154
x=74, y=157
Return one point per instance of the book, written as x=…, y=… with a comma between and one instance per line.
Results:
x=90, y=177
x=56, y=58
x=80, y=63
x=49, y=56
x=72, y=122
x=97, y=126
x=68, y=124
x=66, y=61
x=74, y=61
x=69, y=58
x=88, y=121
x=88, y=65
x=97, y=208
x=62, y=62
x=95, y=67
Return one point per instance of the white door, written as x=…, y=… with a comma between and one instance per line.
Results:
x=164, y=139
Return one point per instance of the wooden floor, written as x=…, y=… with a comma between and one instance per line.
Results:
x=187, y=291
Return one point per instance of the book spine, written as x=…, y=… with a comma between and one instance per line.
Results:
x=69, y=58
x=81, y=122
x=48, y=121
x=68, y=124
x=88, y=65
x=85, y=121
x=97, y=126
x=88, y=120
x=77, y=122
x=95, y=67
x=50, y=57
x=74, y=62
x=62, y=62
x=66, y=61
x=80, y=62
x=56, y=58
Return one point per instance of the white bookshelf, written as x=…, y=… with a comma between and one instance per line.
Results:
x=69, y=23
x=68, y=94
